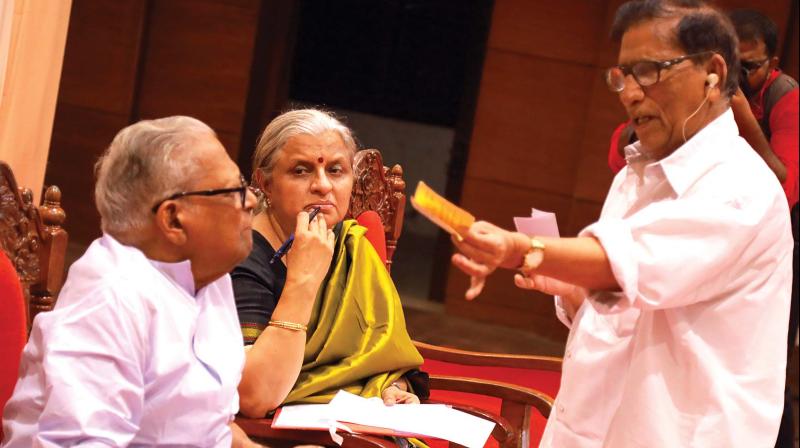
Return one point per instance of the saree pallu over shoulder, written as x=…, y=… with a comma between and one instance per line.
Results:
x=357, y=338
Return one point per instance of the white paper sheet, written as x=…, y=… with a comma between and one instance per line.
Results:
x=540, y=223
x=432, y=420
x=309, y=416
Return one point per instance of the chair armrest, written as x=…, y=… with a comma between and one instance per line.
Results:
x=504, y=391
x=470, y=358
x=513, y=424
x=503, y=429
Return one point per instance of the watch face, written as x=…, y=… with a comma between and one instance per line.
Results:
x=533, y=258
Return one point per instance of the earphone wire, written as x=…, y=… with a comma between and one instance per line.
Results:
x=683, y=130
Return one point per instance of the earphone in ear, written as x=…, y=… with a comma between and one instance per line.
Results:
x=712, y=79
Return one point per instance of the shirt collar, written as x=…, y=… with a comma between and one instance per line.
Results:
x=180, y=273
x=695, y=157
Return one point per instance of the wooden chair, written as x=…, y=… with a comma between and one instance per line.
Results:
x=382, y=189
x=32, y=249
x=34, y=241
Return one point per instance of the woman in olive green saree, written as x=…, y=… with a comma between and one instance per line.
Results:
x=326, y=316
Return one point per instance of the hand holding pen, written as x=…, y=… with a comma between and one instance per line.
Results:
x=289, y=241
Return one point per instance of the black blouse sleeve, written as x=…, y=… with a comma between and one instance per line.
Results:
x=257, y=286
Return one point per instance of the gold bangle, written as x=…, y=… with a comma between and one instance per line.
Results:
x=286, y=325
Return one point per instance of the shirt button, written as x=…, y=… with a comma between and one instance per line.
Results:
x=569, y=354
x=561, y=409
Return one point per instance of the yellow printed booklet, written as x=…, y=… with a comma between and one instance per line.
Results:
x=452, y=218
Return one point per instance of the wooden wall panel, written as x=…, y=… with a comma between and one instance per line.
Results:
x=565, y=31
x=80, y=135
x=199, y=56
x=603, y=114
x=582, y=213
x=102, y=55
x=499, y=202
x=777, y=10
x=542, y=125
x=529, y=143
x=95, y=101
x=791, y=48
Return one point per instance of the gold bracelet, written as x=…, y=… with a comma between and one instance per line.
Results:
x=286, y=325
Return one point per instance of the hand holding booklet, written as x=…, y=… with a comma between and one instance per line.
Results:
x=450, y=217
x=370, y=416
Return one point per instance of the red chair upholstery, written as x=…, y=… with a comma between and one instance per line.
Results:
x=375, y=235
x=13, y=331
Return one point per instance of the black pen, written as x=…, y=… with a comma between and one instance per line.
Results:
x=288, y=244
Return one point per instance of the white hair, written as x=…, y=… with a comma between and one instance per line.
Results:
x=146, y=162
x=292, y=123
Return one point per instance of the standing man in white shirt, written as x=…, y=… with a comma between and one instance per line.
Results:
x=143, y=347
x=677, y=298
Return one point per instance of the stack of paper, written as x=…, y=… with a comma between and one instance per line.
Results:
x=372, y=416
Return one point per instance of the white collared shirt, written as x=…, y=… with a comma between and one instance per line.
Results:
x=131, y=356
x=692, y=352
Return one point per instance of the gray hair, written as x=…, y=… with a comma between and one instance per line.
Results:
x=146, y=162
x=289, y=124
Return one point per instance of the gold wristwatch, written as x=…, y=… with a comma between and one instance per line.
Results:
x=533, y=257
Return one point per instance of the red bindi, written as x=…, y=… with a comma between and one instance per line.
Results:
x=320, y=160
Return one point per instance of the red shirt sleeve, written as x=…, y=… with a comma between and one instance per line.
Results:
x=615, y=161
x=783, y=122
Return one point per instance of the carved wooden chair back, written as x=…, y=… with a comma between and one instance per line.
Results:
x=32, y=238
x=380, y=189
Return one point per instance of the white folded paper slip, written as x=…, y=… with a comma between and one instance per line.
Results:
x=540, y=223
x=351, y=412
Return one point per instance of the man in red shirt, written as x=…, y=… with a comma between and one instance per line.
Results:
x=766, y=109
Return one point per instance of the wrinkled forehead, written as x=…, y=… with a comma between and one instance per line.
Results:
x=213, y=161
x=652, y=39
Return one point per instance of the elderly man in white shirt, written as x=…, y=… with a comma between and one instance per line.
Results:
x=677, y=298
x=143, y=347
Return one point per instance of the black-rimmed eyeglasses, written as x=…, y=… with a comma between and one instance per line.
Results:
x=751, y=66
x=242, y=190
x=646, y=73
